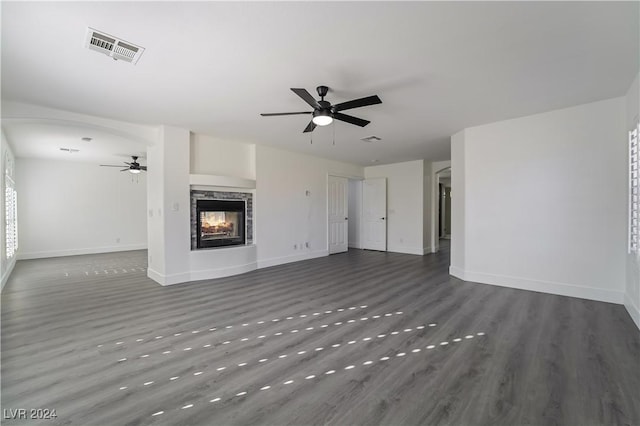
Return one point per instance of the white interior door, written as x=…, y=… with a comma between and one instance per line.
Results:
x=338, y=214
x=374, y=214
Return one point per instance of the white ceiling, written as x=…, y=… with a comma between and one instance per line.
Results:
x=43, y=139
x=213, y=67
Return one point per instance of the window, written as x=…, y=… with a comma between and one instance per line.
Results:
x=11, y=217
x=634, y=166
x=10, y=209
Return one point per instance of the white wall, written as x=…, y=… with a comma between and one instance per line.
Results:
x=539, y=202
x=211, y=156
x=6, y=156
x=355, y=213
x=169, y=205
x=68, y=208
x=632, y=289
x=285, y=213
x=458, y=204
x=405, y=205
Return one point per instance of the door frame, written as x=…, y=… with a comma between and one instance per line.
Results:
x=435, y=209
x=326, y=194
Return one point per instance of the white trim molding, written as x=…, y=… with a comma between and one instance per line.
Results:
x=397, y=248
x=561, y=289
x=209, y=274
x=164, y=280
x=76, y=252
x=224, y=181
x=274, y=261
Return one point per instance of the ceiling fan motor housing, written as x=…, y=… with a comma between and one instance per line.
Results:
x=322, y=91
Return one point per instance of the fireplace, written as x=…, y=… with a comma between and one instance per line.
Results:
x=220, y=223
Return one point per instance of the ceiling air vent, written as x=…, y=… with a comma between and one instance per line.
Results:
x=371, y=139
x=112, y=46
x=70, y=150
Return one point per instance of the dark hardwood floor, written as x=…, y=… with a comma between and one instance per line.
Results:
x=360, y=338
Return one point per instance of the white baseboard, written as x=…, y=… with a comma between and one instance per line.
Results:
x=426, y=250
x=161, y=279
x=562, y=289
x=7, y=273
x=396, y=248
x=355, y=245
x=209, y=274
x=293, y=258
x=76, y=252
x=633, y=310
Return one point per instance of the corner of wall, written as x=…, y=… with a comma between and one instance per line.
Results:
x=6, y=274
x=634, y=311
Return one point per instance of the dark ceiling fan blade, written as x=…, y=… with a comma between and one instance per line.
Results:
x=125, y=170
x=350, y=119
x=357, y=103
x=271, y=114
x=306, y=96
x=127, y=163
x=309, y=127
x=110, y=165
x=143, y=168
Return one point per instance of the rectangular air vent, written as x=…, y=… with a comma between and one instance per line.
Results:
x=112, y=46
x=371, y=139
x=70, y=150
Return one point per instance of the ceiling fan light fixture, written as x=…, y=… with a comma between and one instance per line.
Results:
x=134, y=171
x=322, y=118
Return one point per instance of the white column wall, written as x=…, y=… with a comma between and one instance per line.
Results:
x=169, y=207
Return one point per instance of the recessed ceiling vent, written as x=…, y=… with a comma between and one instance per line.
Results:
x=112, y=46
x=70, y=150
x=371, y=139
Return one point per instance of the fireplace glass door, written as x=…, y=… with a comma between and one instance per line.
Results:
x=220, y=223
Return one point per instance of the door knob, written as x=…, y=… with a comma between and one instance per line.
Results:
x=346, y=218
x=382, y=218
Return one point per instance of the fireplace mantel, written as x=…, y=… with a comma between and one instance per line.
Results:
x=222, y=181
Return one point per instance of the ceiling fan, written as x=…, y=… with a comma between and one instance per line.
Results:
x=134, y=166
x=324, y=113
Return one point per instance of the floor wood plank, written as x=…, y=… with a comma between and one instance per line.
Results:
x=354, y=338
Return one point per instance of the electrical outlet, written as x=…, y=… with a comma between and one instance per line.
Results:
x=295, y=247
x=306, y=244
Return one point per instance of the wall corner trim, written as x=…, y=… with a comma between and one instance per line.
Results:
x=633, y=310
